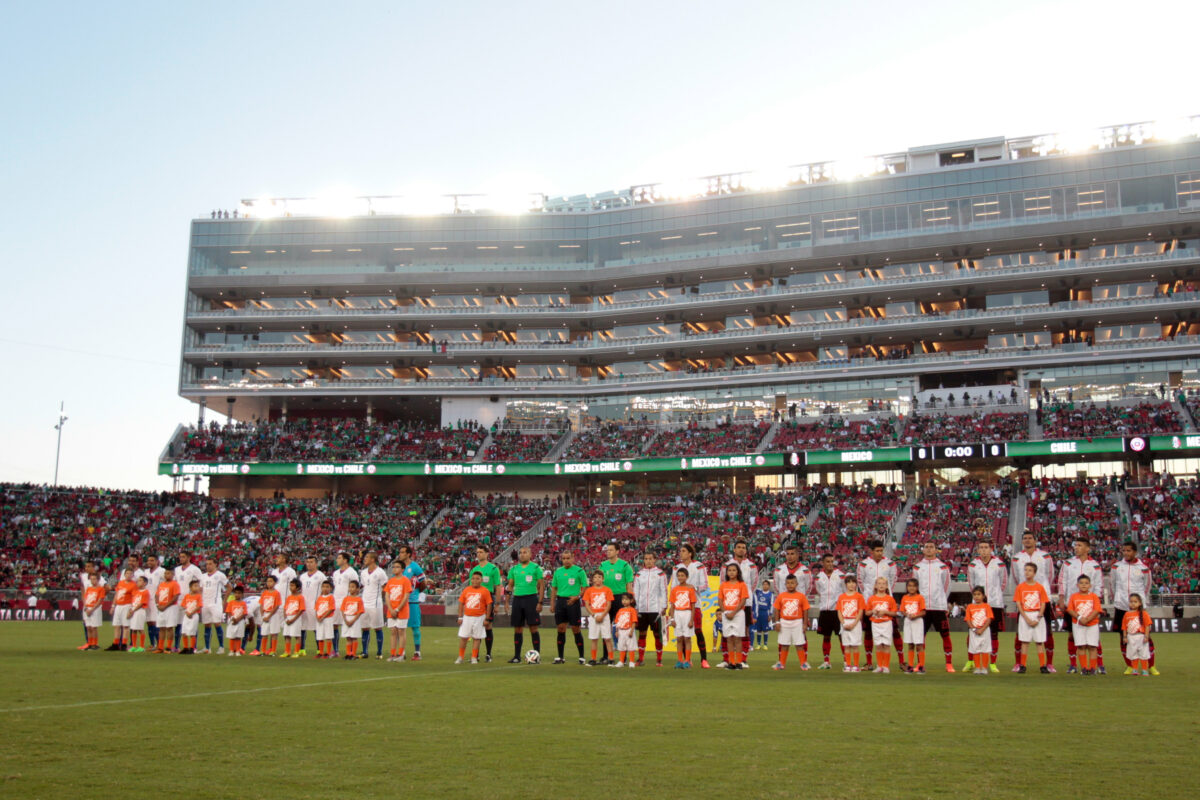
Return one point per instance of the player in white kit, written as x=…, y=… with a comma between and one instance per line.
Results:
x=341, y=577
x=1080, y=565
x=310, y=586
x=214, y=586
x=371, y=581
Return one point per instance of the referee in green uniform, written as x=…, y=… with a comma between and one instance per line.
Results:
x=491, y=582
x=565, y=587
x=618, y=577
x=525, y=586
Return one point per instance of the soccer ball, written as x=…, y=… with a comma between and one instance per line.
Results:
x=532, y=657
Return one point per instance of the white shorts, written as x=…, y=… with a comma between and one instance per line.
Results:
x=1137, y=647
x=735, y=626
x=392, y=622
x=626, y=640
x=914, y=631
x=274, y=625
x=472, y=628
x=293, y=628
x=1028, y=633
x=120, y=616
x=601, y=629
x=353, y=631
x=211, y=615
x=791, y=632
x=308, y=619
x=683, y=625
x=190, y=625
x=93, y=619
x=169, y=617
x=881, y=633
x=852, y=637
x=371, y=619
x=337, y=610
x=979, y=642
x=137, y=620
x=236, y=630
x=152, y=613
x=1085, y=635
x=324, y=629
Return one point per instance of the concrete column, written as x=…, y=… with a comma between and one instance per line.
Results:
x=370, y=409
x=282, y=412
x=203, y=405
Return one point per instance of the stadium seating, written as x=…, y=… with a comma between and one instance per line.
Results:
x=517, y=446
x=613, y=440
x=834, y=433
x=1058, y=510
x=1165, y=518
x=850, y=517
x=1078, y=420
x=697, y=441
x=955, y=518
x=996, y=426
x=493, y=521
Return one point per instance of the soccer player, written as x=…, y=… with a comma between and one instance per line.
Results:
x=398, y=591
x=122, y=598
x=272, y=617
x=324, y=609
x=214, y=586
x=416, y=576
x=371, y=579
x=626, y=625
x=1031, y=599
x=764, y=601
x=979, y=625
x=1080, y=565
x=734, y=594
x=93, y=609
x=650, y=592
x=881, y=607
x=492, y=581
x=474, y=606
x=293, y=620
x=912, y=608
x=566, y=585
x=698, y=580
x=235, y=626
x=990, y=573
x=166, y=601
x=137, y=616
x=341, y=588
x=876, y=565
x=353, y=611
x=791, y=566
x=526, y=583
x=154, y=576
x=189, y=626
x=681, y=600
x=741, y=557
x=310, y=586
x=933, y=578
x=850, y=606
x=1134, y=627
x=1030, y=553
x=597, y=599
x=185, y=573
x=1084, y=609
x=790, y=615
x=831, y=584
x=1130, y=576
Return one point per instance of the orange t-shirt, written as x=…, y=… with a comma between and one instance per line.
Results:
x=880, y=603
x=1083, y=604
x=167, y=594
x=912, y=604
x=1135, y=622
x=351, y=606
x=792, y=606
x=325, y=605
x=269, y=600
x=979, y=614
x=236, y=610
x=397, y=590
x=732, y=593
x=849, y=605
x=125, y=590
x=626, y=618
x=141, y=599
x=683, y=597
x=597, y=599
x=93, y=596
x=193, y=603
x=294, y=606
x=474, y=601
x=1030, y=596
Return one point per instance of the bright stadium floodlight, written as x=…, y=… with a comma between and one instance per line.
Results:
x=1172, y=129
x=1078, y=141
x=766, y=179
x=264, y=208
x=339, y=204
x=681, y=189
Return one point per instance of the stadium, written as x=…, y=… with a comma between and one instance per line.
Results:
x=884, y=459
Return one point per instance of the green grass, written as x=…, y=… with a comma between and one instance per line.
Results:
x=121, y=725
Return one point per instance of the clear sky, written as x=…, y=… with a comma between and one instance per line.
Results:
x=123, y=121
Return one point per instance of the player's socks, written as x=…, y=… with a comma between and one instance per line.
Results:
x=207, y=638
x=1049, y=645
x=579, y=643
x=337, y=636
x=870, y=655
x=519, y=639
x=846, y=658
x=826, y=647
x=487, y=640
x=641, y=651
x=782, y=654
x=1099, y=660
x=475, y=653
x=1042, y=659
x=856, y=654
x=378, y=643
x=400, y=653
x=303, y=639
x=258, y=645
x=995, y=648
x=366, y=642
x=153, y=635
x=560, y=642
x=593, y=652
x=1150, y=644
x=462, y=651
x=287, y=646
x=536, y=638
x=1073, y=653
x=416, y=639
x=1022, y=658
x=921, y=659
x=948, y=648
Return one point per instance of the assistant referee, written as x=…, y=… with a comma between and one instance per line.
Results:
x=566, y=585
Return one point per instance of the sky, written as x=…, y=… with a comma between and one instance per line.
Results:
x=123, y=121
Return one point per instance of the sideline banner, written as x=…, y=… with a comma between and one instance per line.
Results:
x=708, y=619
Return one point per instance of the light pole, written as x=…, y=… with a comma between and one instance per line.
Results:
x=62, y=420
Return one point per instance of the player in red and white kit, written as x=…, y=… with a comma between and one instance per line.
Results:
x=741, y=557
x=933, y=576
x=1044, y=562
x=1130, y=575
x=830, y=584
x=991, y=574
x=1080, y=565
x=877, y=565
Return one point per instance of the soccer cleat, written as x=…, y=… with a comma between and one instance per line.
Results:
x=877, y=670
x=993, y=668
x=886, y=671
x=1129, y=671
x=489, y=658
x=379, y=656
x=687, y=665
x=1044, y=670
x=84, y=647
x=474, y=660
x=1071, y=670
x=949, y=668
x=112, y=647
x=231, y=654
x=824, y=664
x=805, y=667
x=1016, y=668
x=723, y=665
x=516, y=659
x=1101, y=671
x=400, y=658
x=704, y=664
x=678, y=665
x=743, y=665
x=966, y=666
x=302, y=652
x=221, y=650
x=1051, y=670
x=582, y=661
x=919, y=671
x=591, y=662
x=416, y=656
x=1153, y=671
x=1022, y=669
x=456, y=661
x=778, y=666
x=559, y=661
x=255, y=653
x=631, y=665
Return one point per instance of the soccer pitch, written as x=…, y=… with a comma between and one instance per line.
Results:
x=119, y=725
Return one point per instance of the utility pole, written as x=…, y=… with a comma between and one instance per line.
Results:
x=62, y=420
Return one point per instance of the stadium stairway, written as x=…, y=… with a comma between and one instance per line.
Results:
x=1016, y=521
x=650, y=442
x=1185, y=417
x=768, y=438
x=1035, y=430
x=898, y=526
x=560, y=446
x=1122, y=502
x=482, y=449
x=428, y=529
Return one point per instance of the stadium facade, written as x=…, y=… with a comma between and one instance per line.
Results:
x=994, y=273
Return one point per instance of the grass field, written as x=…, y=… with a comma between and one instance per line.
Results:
x=123, y=725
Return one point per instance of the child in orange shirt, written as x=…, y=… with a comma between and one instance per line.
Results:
x=396, y=594
x=626, y=623
x=192, y=604
x=166, y=599
x=683, y=600
x=474, y=607
x=882, y=608
x=1136, y=624
x=352, y=614
x=597, y=599
x=790, y=616
x=269, y=603
x=120, y=610
x=1031, y=600
x=235, y=623
x=733, y=594
x=324, y=608
x=138, y=609
x=850, y=605
x=293, y=620
x=1084, y=609
x=93, y=610
x=912, y=607
x=979, y=638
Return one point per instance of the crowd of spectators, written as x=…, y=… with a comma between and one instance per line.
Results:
x=1059, y=509
x=955, y=518
x=835, y=433
x=997, y=426
x=1070, y=420
x=694, y=440
x=1165, y=519
x=513, y=445
x=610, y=440
x=849, y=518
x=493, y=521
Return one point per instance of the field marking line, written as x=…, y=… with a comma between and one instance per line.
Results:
x=255, y=690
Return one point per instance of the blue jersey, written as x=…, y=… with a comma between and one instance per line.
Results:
x=417, y=576
x=763, y=602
